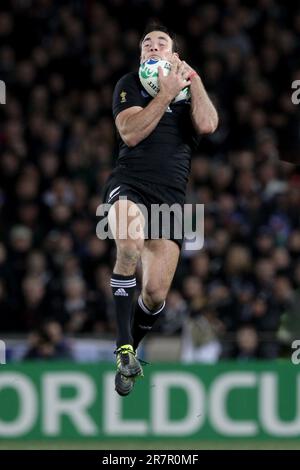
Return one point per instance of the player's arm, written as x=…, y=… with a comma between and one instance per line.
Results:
x=135, y=123
x=203, y=113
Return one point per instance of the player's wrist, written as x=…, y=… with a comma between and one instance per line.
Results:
x=165, y=96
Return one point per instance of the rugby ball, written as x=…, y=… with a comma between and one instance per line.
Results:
x=148, y=74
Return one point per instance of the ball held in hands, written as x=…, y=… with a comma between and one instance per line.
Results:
x=149, y=78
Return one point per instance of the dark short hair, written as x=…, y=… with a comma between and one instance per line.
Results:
x=155, y=26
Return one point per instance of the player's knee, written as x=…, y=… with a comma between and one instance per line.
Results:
x=129, y=251
x=154, y=295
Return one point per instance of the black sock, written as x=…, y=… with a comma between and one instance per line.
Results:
x=143, y=320
x=123, y=288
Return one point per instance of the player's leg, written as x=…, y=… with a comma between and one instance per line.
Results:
x=159, y=262
x=122, y=216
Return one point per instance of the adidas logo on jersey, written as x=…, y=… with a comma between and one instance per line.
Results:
x=121, y=292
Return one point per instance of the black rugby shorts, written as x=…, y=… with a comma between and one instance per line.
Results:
x=163, y=204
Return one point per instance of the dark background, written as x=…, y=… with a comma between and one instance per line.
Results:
x=60, y=62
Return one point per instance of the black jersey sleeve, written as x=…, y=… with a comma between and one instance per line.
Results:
x=126, y=94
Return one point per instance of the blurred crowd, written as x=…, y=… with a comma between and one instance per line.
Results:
x=238, y=296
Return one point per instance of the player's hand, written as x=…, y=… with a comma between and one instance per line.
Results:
x=187, y=69
x=177, y=79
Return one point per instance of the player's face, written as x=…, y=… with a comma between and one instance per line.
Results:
x=158, y=45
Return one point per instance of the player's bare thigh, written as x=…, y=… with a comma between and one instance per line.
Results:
x=126, y=223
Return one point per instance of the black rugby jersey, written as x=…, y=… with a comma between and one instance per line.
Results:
x=164, y=156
